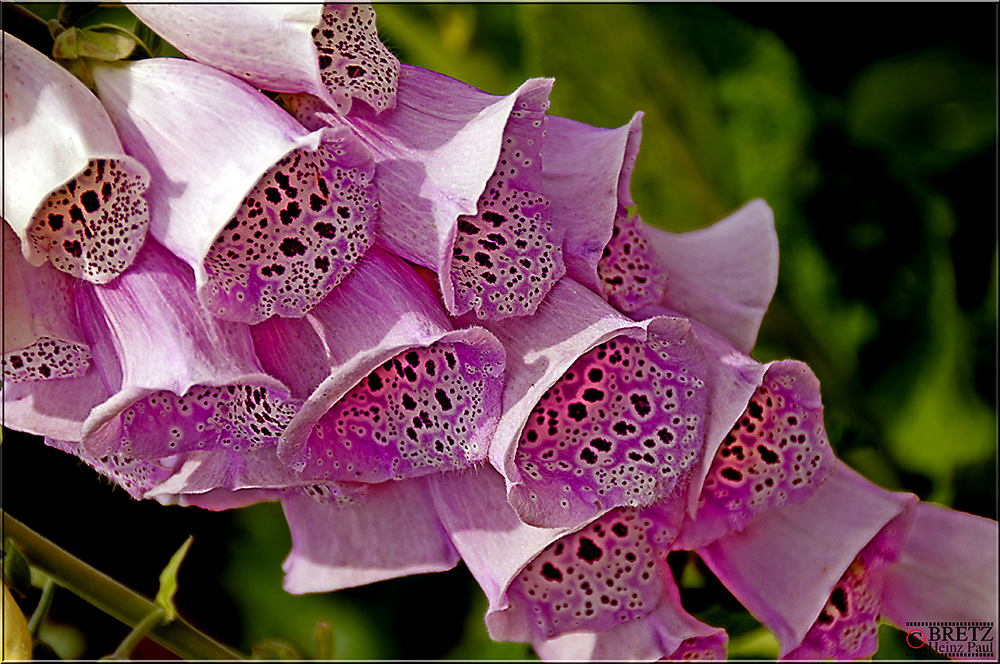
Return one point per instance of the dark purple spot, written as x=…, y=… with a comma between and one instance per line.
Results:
x=75, y=214
x=90, y=200
x=483, y=259
x=601, y=444
x=595, y=375
x=577, y=411
x=755, y=410
x=55, y=221
x=322, y=263
x=589, y=551
x=641, y=404
x=325, y=229
x=316, y=202
x=731, y=474
x=467, y=227
x=272, y=194
x=374, y=382
x=768, y=456
x=620, y=529
x=290, y=213
x=412, y=358
x=106, y=191
x=494, y=218
x=408, y=402
x=73, y=248
x=325, y=61
x=588, y=455
x=551, y=573
x=442, y=399
x=353, y=71
x=292, y=247
x=839, y=600
x=592, y=395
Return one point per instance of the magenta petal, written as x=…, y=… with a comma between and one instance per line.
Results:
x=69, y=191
x=180, y=379
x=331, y=51
x=392, y=531
x=391, y=390
x=460, y=188
x=42, y=339
x=270, y=216
x=785, y=564
x=725, y=274
x=947, y=572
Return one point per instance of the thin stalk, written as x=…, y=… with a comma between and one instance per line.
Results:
x=124, y=650
x=42, y=610
x=115, y=599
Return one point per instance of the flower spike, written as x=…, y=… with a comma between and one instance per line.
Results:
x=331, y=51
x=70, y=192
x=270, y=216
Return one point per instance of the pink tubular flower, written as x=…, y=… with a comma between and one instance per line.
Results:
x=270, y=216
x=70, y=193
x=461, y=188
x=599, y=411
x=180, y=380
x=597, y=591
x=330, y=51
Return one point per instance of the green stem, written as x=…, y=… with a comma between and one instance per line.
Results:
x=124, y=650
x=42, y=610
x=112, y=597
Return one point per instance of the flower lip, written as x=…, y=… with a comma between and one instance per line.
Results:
x=70, y=192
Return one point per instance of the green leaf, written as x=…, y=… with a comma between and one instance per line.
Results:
x=16, y=571
x=168, y=582
x=275, y=650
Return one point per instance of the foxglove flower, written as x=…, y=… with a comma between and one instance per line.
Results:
x=271, y=217
x=390, y=389
x=597, y=591
x=330, y=51
x=42, y=339
x=70, y=193
x=461, y=188
x=813, y=573
x=599, y=411
x=180, y=380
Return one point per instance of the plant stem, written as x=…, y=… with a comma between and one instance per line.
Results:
x=112, y=597
x=124, y=651
x=42, y=610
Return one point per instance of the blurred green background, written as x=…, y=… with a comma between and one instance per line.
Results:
x=870, y=129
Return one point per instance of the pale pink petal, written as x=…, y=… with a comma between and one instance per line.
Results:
x=725, y=274
x=947, y=574
x=393, y=530
x=69, y=191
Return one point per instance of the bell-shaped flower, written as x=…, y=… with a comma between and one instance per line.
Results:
x=390, y=389
x=270, y=216
x=42, y=339
x=597, y=591
x=331, y=51
x=599, y=411
x=813, y=573
x=461, y=188
x=946, y=573
x=180, y=379
x=70, y=193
